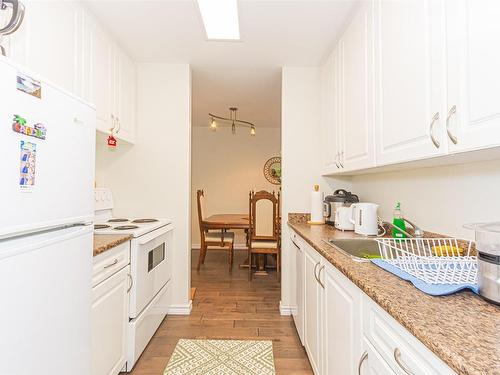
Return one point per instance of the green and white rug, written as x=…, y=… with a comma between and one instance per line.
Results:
x=221, y=357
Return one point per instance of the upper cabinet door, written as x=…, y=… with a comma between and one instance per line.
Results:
x=125, y=97
x=48, y=42
x=330, y=112
x=356, y=135
x=410, y=80
x=101, y=67
x=473, y=31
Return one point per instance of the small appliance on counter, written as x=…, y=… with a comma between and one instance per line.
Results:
x=343, y=218
x=488, y=259
x=365, y=219
x=340, y=198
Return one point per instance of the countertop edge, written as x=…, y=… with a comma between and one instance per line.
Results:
x=105, y=242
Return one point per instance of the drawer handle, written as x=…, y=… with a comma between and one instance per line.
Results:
x=131, y=282
x=363, y=358
x=397, y=357
x=112, y=264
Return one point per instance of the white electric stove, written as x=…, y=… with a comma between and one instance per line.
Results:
x=150, y=264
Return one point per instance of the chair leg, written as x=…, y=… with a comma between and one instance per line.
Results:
x=200, y=258
x=205, y=250
x=278, y=265
x=231, y=255
x=249, y=265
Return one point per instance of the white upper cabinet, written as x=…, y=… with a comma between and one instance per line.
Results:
x=329, y=112
x=49, y=42
x=473, y=37
x=101, y=76
x=125, y=97
x=409, y=76
x=62, y=41
x=356, y=50
x=113, y=81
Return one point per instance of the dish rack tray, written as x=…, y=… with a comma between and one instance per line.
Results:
x=432, y=260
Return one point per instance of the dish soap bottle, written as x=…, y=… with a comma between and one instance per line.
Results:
x=399, y=222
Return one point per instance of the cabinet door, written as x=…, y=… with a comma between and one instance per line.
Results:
x=330, y=112
x=109, y=324
x=342, y=323
x=125, y=94
x=312, y=309
x=409, y=79
x=473, y=31
x=102, y=77
x=298, y=311
x=48, y=42
x=356, y=48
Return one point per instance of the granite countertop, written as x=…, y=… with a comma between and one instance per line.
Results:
x=462, y=329
x=104, y=242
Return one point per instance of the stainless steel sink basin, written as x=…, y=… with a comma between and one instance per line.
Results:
x=360, y=250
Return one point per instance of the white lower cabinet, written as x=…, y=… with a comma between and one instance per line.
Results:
x=312, y=309
x=110, y=312
x=342, y=323
x=298, y=289
x=346, y=332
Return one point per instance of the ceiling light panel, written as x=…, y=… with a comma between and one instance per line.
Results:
x=220, y=18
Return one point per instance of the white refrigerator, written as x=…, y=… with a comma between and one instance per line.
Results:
x=47, y=152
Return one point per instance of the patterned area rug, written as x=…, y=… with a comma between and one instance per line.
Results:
x=221, y=357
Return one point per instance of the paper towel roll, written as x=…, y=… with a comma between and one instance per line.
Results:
x=317, y=207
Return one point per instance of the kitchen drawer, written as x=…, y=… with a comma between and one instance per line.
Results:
x=295, y=238
x=110, y=262
x=389, y=337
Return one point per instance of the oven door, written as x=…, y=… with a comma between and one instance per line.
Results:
x=150, y=258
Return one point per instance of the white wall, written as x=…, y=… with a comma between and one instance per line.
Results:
x=302, y=156
x=439, y=199
x=227, y=167
x=153, y=177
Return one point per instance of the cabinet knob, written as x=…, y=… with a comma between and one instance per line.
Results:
x=431, y=130
x=452, y=137
x=361, y=360
x=397, y=357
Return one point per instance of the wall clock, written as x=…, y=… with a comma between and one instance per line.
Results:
x=272, y=170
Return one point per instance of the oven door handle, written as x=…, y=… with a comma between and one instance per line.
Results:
x=154, y=234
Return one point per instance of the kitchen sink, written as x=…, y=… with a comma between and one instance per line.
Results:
x=360, y=250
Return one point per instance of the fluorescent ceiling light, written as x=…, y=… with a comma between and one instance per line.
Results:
x=220, y=18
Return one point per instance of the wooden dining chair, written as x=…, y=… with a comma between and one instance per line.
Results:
x=219, y=239
x=264, y=232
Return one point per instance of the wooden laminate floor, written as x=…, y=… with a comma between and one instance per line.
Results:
x=228, y=306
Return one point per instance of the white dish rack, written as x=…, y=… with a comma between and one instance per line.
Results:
x=432, y=260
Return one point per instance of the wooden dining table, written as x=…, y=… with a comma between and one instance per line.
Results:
x=236, y=221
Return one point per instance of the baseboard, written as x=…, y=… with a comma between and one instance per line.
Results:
x=236, y=247
x=180, y=309
x=285, y=310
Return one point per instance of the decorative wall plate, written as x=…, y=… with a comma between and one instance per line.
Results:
x=272, y=170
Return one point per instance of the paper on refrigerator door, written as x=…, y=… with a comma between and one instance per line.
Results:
x=28, y=166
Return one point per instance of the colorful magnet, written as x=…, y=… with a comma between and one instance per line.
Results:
x=19, y=125
x=29, y=85
x=28, y=166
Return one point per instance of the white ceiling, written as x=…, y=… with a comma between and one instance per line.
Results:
x=245, y=74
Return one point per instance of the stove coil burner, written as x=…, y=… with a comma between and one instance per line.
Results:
x=117, y=220
x=142, y=221
x=126, y=227
x=101, y=226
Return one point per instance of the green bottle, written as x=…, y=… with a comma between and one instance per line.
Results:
x=398, y=221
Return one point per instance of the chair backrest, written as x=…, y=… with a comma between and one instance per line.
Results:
x=264, y=213
x=200, y=197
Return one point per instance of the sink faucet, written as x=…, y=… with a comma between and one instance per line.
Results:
x=418, y=233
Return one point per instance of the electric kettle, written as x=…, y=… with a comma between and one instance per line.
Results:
x=365, y=218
